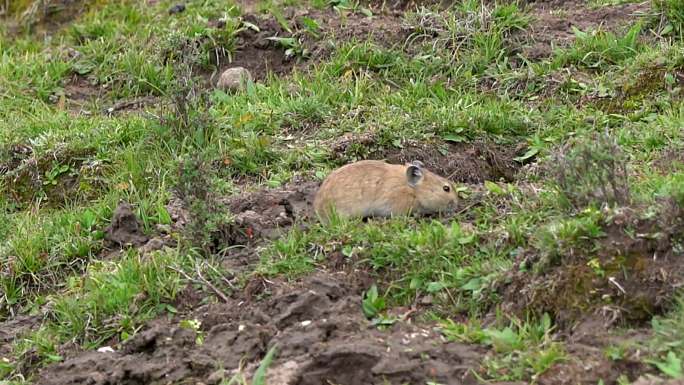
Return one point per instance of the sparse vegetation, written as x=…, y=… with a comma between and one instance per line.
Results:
x=566, y=152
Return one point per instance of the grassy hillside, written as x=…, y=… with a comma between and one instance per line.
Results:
x=559, y=121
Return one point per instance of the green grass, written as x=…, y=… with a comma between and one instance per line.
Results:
x=523, y=349
x=599, y=48
x=672, y=12
x=432, y=258
x=457, y=77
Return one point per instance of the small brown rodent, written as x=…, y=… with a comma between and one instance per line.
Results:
x=372, y=188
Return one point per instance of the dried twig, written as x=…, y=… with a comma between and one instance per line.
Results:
x=202, y=281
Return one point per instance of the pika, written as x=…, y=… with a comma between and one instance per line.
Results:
x=373, y=188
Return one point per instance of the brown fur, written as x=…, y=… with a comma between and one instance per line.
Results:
x=372, y=188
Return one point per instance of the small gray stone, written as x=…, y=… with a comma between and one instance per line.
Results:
x=234, y=79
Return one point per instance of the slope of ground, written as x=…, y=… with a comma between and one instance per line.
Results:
x=155, y=229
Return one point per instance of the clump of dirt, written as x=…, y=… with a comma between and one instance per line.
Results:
x=80, y=92
x=12, y=156
x=588, y=362
x=461, y=162
x=125, y=228
x=56, y=177
x=553, y=22
x=267, y=213
x=78, y=89
x=13, y=328
x=626, y=277
x=320, y=333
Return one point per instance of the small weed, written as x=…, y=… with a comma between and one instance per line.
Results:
x=372, y=304
x=293, y=46
x=259, y=377
x=565, y=238
x=194, y=325
x=593, y=172
x=671, y=365
x=208, y=216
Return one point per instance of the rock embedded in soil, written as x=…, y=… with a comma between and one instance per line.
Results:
x=234, y=79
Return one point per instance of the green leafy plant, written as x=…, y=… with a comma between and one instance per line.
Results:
x=522, y=349
x=293, y=46
x=671, y=366
x=372, y=303
x=52, y=176
x=672, y=16
x=259, y=377
x=194, y=325
x=260, y=374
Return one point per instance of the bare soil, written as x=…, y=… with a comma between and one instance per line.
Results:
x=588, y=361
x=125, y=228
x=262, y=56
x=317, y=325
x=462, y=162
x=472, y=162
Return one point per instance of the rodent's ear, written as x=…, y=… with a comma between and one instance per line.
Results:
x=418, y=164
x=414, y=175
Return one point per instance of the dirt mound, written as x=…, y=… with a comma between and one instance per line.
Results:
x=125, y=227
x=553, y=22
x=461, y=162
x=319, y=329
x=383, y=28
x=627, y=276
x=588, y=362
x=267, y=213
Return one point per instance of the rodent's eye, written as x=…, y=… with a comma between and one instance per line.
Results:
x=446, y=188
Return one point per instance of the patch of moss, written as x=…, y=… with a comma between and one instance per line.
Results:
x=55, y=178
